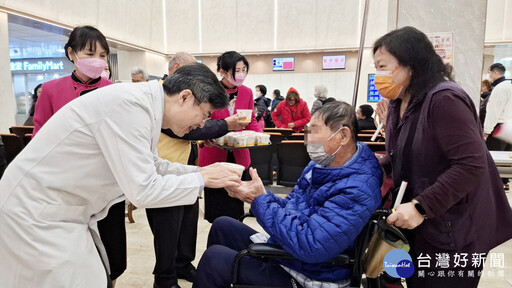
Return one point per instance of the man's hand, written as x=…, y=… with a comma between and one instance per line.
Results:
x=382, y=111
x=220, y=176
x=206, y=143
x=291, y=125
x=234, y=123
x=406, y=216
x=248, y=190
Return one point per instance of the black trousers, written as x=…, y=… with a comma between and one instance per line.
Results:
x=495, y=144
x=174, y=236
x=113, y=235
x=226, y=238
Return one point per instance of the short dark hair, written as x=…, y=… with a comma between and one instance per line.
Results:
x=277, y=93
x=227, y=62
x=85, y=36
x=338, y=113
x=366, y=110
x=263, y=89
x=498, y=67
x=203, y=83
x=413, y=49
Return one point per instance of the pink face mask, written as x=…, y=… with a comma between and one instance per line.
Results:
x=105, y=74
x=240, y=77
x=90, y=67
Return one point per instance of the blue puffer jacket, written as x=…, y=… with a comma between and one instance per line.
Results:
x=322, y=218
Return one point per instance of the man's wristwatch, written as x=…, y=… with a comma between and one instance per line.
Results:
x=420, y=208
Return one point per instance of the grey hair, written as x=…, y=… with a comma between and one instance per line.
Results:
x=321, y=91
x=138, y=70
x=338, y=113
x=182, y=58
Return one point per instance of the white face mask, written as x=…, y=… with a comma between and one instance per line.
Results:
x=257, y=94
x=317, y=152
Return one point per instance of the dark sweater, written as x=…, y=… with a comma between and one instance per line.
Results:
x=450, y=172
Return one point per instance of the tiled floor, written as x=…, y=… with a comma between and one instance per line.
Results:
x=141, y=255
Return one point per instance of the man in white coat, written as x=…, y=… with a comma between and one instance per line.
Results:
x=91, y=154
x=499, y=107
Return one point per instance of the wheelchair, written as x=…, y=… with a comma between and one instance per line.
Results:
x=361, y=263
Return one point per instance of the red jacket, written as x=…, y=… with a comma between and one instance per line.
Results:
x=298, y=114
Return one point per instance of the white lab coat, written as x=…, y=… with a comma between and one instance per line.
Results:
x=90, y=153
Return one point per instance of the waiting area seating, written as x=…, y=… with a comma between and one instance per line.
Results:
x=293, y=157
x=261, y=160
x=283, y=131
x=376, y=146
x=21, y=130
x=13, y=144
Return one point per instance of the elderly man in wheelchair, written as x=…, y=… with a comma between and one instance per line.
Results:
x=320, y=219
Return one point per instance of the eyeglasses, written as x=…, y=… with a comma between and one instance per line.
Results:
x=206, y=115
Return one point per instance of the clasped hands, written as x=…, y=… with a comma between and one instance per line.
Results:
x=220, y=176
x=247, y=191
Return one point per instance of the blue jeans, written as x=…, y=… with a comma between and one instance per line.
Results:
x=226, y=238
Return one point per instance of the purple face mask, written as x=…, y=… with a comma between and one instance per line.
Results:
x=240, y=77
x=90, y=67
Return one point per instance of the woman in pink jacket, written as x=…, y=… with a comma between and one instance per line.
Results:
x=233, y=68
x=88, y=49
x=294, y=112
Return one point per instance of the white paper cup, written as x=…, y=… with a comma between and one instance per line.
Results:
x=263, y=139
x=220, y=140
x=229, y=139
x=240, y=169
x=240, y=141
x=244, y=114
x=251, y=139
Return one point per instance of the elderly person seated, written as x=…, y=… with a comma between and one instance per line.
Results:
x=321, y=218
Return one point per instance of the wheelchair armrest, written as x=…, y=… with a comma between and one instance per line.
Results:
x=272, y=250
x=268, y=250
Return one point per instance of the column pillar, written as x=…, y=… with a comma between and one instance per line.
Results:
x=7, y=104
x=466, y=18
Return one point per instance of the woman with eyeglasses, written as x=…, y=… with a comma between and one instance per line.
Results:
x=233, y=68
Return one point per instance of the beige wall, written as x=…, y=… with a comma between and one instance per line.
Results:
x=498, y=21
x=488, y=61
x=212, y=26
x=308, y=73
x=215, y=26
x=136, y=22
x=128, y=60
x=280, y=27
